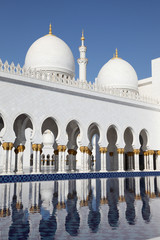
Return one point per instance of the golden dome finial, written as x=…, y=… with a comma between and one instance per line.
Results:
x=116, y=53
x=50, y=29
x=82, y=38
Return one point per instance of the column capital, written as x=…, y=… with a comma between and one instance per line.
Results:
x=103, y=149
x=120, y=150
x=157, y=152
x=145, y=153
x=35, y=147
x=10, y=145
x=88, y=151
x=39, y=147
x=136, y=151
x=5, y=145
x=82, y=149
x=21, y=148
x=61, y=148
x=150, y=152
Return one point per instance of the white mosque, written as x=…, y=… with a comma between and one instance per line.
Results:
x=51, y=122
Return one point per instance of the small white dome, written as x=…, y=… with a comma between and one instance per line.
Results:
x=48, y=138
x=50, y=53
x=118, y=73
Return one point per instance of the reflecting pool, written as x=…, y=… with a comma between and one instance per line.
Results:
x=121, y=208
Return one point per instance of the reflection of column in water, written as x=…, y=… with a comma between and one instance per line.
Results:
x=103, y=191
x=158, y=185
x=62, y=193
x=19, y=193
x=121, y=189
x=65, y=190
x=5, y=200
x=152, y=187
x=137, y=188
x=35, y=216
x=35, y=188
x=84, y=192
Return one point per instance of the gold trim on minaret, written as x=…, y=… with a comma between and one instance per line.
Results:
x=82, y=38
x=50, y=29
x=116, y=53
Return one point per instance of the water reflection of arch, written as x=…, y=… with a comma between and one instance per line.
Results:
x=146, y=212
x=112, y=196
x=72, y=222
x=129, y=197
x=20, y=227
x=94, y=216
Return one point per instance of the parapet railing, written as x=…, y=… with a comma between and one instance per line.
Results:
x=67, y=80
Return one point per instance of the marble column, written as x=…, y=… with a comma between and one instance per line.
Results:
x=121, y=189
x=10, y=147
x=5, y=146
x=137, y=188
x=145, y=160
x=20, y=149
x=150, y=158
x=39, y=152
x=103, y=151
x=88, y=155
x=35, y=149
x=61, y=159
x=158, y=160
x=136, y=159
x=120, y=152
x=82, y=149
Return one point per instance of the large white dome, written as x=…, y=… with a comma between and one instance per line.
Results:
x=118, y=73
x=50, y=53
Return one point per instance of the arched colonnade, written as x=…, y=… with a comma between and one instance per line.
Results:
x=45, y=152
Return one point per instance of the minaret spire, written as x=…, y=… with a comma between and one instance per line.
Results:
x=82, y=61
x=50, y=29
x=116, y=53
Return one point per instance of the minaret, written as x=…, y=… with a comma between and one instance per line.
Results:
x=82, y=61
